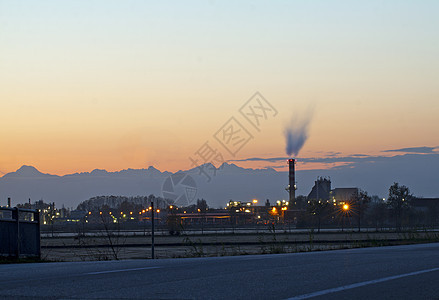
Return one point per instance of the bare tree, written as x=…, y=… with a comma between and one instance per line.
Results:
x=318, y=209
x=362, y=201
x=398, y=201
x=377, y=212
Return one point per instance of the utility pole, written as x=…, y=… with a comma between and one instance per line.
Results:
x=152, y=229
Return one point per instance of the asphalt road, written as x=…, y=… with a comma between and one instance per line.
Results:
x=398, y=272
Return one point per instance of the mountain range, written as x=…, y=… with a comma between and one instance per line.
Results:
x=219, y=185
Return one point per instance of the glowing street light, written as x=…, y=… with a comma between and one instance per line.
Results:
x=345, y=209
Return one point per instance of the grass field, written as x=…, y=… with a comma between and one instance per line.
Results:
x=108, y=247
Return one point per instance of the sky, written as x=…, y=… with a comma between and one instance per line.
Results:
x=128, y=84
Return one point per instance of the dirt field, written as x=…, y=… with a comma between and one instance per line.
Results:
x=132, y=247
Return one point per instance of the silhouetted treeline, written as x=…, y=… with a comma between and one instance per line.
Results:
x=122, y=203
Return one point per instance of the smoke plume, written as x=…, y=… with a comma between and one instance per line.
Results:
x=296, y=133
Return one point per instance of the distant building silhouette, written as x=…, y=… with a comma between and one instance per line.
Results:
x=321, y=189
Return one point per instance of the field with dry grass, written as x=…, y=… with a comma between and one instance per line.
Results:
x=112, y=246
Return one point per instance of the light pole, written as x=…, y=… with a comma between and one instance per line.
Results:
x=345, y=211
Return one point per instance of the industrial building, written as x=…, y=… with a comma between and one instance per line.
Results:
x=322, y=191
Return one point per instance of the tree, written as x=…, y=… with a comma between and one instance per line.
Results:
x=433, y=214
x=299, y=203
x=173, y=221
x=362, y=201
x=398, y=201
x=377, y=212
x=202, y=205
x=318, y=209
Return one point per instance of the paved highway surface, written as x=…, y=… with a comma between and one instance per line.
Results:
x=399, y=272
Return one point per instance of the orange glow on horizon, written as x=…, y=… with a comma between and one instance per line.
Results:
x=96, y=95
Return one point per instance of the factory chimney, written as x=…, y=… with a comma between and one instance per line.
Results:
x=292, y=180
